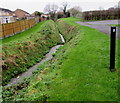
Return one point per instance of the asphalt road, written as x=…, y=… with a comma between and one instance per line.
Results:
x=102, y=26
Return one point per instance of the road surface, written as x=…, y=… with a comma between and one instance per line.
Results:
x=102, y=26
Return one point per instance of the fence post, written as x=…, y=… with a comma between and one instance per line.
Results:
x=20, y=26
x=29, y=23
x=24, y=25
x=13, y=28
x=3, y=30
x=112, y=49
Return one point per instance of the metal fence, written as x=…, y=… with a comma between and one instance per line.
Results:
x=10, y=29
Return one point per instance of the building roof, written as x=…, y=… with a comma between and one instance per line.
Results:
x=6, y=10
x=21, y=13
x=22, y=10
x=33, y=14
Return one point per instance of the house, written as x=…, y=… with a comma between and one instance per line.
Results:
x=34, y=13
x=7, y=16
x=21, y=14
x=45, y=15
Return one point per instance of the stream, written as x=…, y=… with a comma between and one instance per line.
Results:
x=28, y=73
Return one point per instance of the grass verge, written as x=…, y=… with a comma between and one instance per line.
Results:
x=118, y=25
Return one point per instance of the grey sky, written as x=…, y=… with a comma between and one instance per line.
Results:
x=38, y=5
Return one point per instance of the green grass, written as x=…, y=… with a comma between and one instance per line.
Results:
x=67, y=30
x=23, y=35
x=78, y=72
x=22, y=52
x=118, y=25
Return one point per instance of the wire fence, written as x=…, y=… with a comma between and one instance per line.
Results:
x=13, y=28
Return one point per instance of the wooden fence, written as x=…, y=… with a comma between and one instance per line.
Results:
x=9, y=29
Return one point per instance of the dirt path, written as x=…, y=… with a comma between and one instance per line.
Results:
x=102, y=26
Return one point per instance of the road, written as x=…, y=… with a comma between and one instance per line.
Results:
x=102, y=26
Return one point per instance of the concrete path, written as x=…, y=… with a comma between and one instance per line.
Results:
x=102, y=26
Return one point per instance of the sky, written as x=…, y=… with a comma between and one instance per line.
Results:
x=38, y=5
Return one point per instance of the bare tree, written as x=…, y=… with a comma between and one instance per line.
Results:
x=101, y=8
x=119, y=4
x=51, y=9
x=47, y=8
x=101, y=11
x=54, y=8
x=64, y=8
x=76, y=11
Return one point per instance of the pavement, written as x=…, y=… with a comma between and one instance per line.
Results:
x=102, y=26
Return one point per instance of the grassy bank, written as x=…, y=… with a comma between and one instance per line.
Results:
x=67, y=30
x=23, y=35
x=24, y=50
x=78, y=72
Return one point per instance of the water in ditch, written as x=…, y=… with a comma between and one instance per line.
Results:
x=28, y=73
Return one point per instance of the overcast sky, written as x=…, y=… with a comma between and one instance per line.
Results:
x=38, y=5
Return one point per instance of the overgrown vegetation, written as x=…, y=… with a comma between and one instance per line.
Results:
x=79, y=71
x=18, y=56
x=67, y=30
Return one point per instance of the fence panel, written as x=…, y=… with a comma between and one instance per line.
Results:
x=22, y=24
x=26, y=24
x=8, y=32
x=30, y=23
x=16, y=27
x=1, y=31
x=8, y=29
x=1, y=34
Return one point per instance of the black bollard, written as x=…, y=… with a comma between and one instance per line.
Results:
x=112, y=49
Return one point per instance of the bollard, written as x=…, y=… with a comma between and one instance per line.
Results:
x=112, y=49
